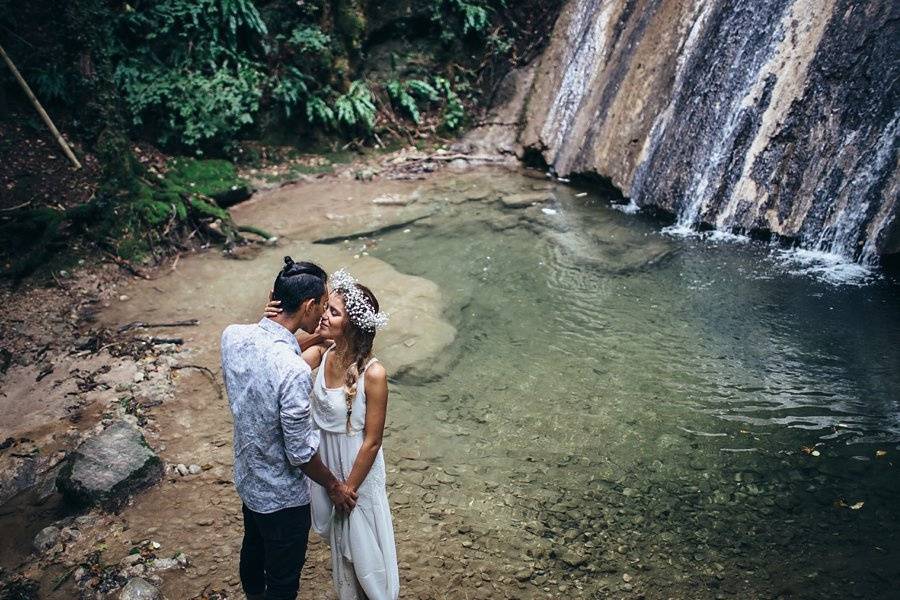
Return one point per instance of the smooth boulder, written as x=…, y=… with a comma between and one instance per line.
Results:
x=139, y=589
x=109, y=467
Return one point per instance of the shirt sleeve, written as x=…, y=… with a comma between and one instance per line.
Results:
x=301, y=438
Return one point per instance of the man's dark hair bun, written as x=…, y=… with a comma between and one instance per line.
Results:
x=297, y=282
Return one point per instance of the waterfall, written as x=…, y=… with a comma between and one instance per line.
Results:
x=775, y=116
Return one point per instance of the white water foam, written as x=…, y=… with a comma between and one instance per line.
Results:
x=824, y=266
x=714, y=236
x=679, y=230
x=827, y=267
x=629, y=209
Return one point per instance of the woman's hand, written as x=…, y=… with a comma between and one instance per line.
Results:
x=273, y=308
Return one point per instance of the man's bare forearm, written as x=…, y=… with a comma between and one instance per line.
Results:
x=316, y=470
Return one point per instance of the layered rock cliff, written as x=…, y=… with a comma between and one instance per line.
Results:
x=776, y=116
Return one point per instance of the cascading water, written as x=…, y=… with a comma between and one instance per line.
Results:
x=778, y=116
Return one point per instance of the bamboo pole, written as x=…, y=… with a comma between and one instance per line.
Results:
x=40, y=109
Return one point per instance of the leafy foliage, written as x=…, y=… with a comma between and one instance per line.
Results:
x=407, y=95
x=318, y=111
x=356, y=108
x=309, y=39
x=454, y=112
x=404, y=94
x=185, y=67
x=460, y=18
x=192, y=107
x=291, y=89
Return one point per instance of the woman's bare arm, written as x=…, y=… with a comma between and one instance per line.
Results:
x=376, y=411
x=313, y=354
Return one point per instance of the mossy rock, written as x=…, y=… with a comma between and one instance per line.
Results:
x=109, y=467
x=215, y=178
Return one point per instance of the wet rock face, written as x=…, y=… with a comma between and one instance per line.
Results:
x=108, y=467
x=779, y=116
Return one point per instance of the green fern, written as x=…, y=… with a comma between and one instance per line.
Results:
x=471, y=15
x=240, y=13
x=356, y=107
x=317, y=111
x=454, y=112
x=423, y=89
x=290, y=89
x=397, y=92
x=309, y=39
x=475, y=17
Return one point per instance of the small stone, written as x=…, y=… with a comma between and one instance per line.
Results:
x=393, y=200
x=139, y=377
x=181, y=469
x=45, y=539
x=84, y=520
x=194, y=469
x=164, y=564
x=444, y=478
x=123, y=298
x=139, y=589
x=573, y=559
x=523, y=575
x=626, y=577
x=413, y=465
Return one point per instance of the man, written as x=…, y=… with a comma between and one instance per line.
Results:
x=275, y=441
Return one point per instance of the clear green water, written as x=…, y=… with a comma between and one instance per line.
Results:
x=643, y=401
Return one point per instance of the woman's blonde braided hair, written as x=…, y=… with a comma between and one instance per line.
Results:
x=359, y=348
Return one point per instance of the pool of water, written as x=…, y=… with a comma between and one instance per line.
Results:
x=667, y=416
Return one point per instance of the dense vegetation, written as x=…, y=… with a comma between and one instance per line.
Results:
x=196, y=77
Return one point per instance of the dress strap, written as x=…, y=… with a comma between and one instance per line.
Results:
x=369, y=364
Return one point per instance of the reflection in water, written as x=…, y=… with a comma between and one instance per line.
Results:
x=646, y=400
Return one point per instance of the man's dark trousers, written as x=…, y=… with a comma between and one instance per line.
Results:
x=273, y=552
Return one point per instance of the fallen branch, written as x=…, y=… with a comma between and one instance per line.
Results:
x=207, y=372
x=127, y=266
x=40, y=109
x=142, y=325
x=162, y=340
x=16, y=207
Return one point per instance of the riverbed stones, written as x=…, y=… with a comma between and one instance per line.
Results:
x=45, y=539
x=525, y=199
x=108, y=467
x=394, y=200
x=139, y=589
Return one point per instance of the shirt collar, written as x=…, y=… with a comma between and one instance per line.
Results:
x=280, y=332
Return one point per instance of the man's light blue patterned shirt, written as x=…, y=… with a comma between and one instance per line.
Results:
x=268, y=386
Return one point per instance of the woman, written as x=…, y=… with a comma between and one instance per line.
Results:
x=349, y=404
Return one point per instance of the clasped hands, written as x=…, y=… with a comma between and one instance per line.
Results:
x=342, y=496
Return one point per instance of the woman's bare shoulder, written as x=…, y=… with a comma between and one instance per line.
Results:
x=376, y=373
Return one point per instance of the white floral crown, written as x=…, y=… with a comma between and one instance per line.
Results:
x=361, y=312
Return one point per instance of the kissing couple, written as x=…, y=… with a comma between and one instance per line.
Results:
x=307, y=449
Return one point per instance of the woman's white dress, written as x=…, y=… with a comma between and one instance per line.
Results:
x=363, y=554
